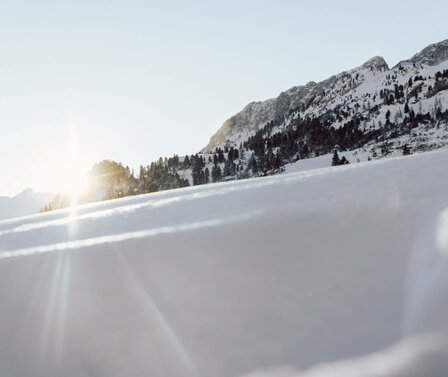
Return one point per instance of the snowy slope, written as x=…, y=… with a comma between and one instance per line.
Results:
x=266, y=277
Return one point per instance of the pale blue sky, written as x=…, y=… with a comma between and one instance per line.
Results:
x=136, y=80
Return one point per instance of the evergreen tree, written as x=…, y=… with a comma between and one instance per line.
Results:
x=406, y=108
x=406, y=150
x=197, y=173
x=253, y=164
x=216, y=173
x=221, y=157
x=186, y=162
x=388, y=116
x=335, y=161
x=227, y=169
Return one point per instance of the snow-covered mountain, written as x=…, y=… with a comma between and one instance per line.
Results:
x=372, y=94
x=341, y=271
x=367, y=113
x=25, y=203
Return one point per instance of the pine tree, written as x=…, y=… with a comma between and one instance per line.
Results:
x=305, y=151
x=221, y=157
x=216, y=173
x=335, y=161
x=406, y=108
x=197, y=173
x=186, y=162
x=387, y=116
x=406, y=150
x=227, y=169
x=253, y=165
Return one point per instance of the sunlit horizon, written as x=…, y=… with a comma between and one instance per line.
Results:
x=145, y=80
x=66, y=170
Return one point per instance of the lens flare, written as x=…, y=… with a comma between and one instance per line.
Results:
x=75, y=177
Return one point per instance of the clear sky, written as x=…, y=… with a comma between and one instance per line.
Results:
x=133, y=80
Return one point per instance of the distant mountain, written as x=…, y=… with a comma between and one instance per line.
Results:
x=364, y=94
x=25, y=203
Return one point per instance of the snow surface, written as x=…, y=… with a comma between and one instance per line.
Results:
x=329, y=272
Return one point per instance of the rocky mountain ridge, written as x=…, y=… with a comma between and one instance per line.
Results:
x=320, y=98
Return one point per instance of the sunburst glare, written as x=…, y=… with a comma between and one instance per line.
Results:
x=74, y=180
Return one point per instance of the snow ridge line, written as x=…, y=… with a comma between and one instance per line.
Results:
x=109, y=239
x=222, y=189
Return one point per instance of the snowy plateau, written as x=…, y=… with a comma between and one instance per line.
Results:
x=338, y=271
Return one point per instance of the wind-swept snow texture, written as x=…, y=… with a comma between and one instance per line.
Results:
x=330, y=272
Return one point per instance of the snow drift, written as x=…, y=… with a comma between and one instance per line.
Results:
x=329, y=272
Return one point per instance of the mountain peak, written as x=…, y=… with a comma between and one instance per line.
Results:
x=377, y=63
x=326, y=99
x=310, y=84
x=26, y=192
x=434, y=54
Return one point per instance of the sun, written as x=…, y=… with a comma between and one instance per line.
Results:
x=70, y=175
x=75, y=184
